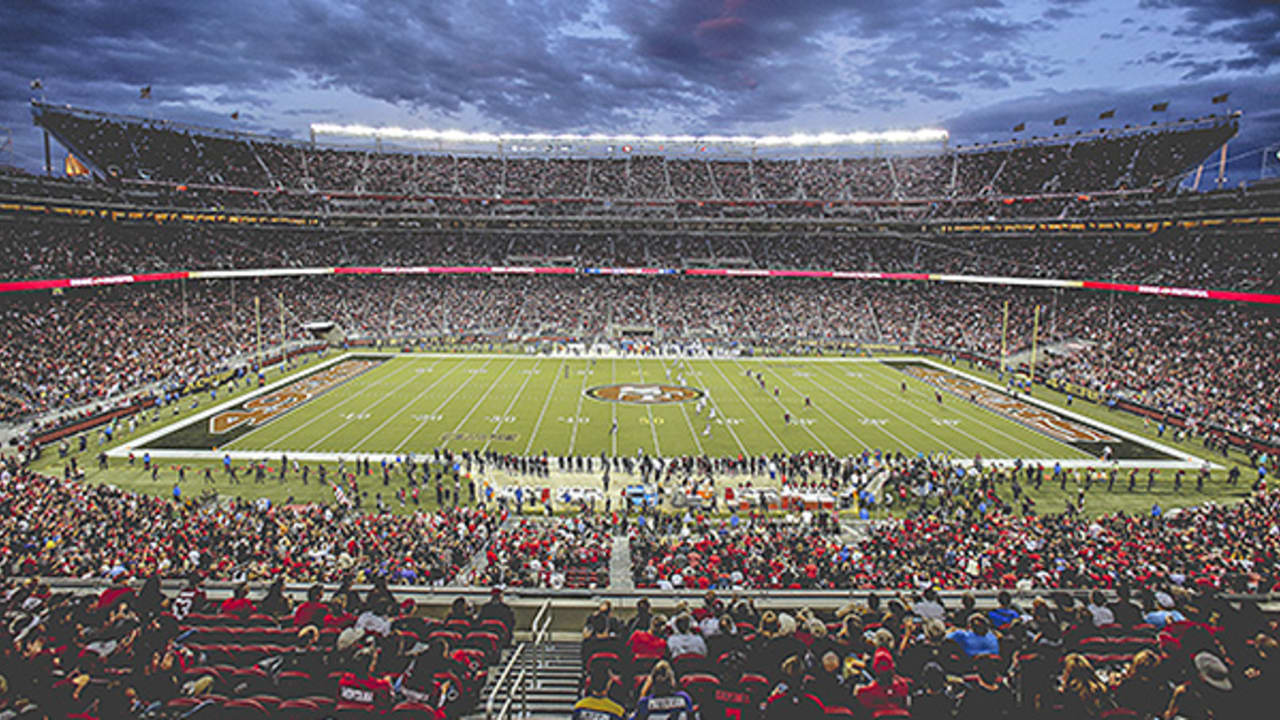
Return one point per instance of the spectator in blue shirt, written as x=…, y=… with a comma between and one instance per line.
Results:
x=1003, y=615
x=978, y=639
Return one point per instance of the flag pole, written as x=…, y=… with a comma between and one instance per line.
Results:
x=1035, y=331
x=280, y=299
x=257, y=324
x=1222, y=166
x=1004, y=337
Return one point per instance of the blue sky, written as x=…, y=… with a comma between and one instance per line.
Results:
x=974, y=67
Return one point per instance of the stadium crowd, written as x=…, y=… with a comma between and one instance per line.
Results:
x=156, y=152
x=1159, y=652
x=972, y=539
x=135, y=651
x=1209, y=363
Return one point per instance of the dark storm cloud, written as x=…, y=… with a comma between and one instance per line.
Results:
x=702, y=65
x=512, y=61
x=1252, y=25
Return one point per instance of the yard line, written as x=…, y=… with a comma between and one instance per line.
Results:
x=528, y=376
x=978, y=413
x=375, y=403
x=873, y=401
x=752, y=408
x=724, y=420
x=780, y=404
x=479, y=402
x=685, y=411
x=856, y=411
x=545, y=403
x=835, y=422
x=320, y=416
x=395, y=414
x=997, y=451
x=653, y=429
x=573, y=432
x=613, y=407
x=427, y=416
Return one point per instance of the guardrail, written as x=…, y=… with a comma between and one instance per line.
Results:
x=529, y=656
x=527, y=597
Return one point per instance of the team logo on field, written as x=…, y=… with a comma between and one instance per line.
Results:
x=644, y=393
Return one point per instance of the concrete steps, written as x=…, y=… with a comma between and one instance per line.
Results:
x=557, y=688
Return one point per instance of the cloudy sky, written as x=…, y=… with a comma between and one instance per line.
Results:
x=974, y=67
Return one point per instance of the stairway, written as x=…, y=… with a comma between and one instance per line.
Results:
x=557, y=689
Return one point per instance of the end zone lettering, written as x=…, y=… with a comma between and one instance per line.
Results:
x=259, y=410
x=1029, y=415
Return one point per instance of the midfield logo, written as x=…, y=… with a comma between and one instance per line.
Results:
x=644, y=393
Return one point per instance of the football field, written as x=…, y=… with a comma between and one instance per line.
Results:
x=392, y=405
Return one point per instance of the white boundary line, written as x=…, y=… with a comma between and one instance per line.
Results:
x=126, y=448
x=1190, y=462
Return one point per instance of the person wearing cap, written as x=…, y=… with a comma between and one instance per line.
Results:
x=497, y=609
x=1165, y=611
x=889, y=691
x=1210, y=694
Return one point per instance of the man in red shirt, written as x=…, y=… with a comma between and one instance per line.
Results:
x=312, y=611
x=889, y=691
x=239, y=602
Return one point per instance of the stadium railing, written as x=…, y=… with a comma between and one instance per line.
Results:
x=528, y=656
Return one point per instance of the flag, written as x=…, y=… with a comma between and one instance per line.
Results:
x=144, y=93
x=1160, y=106
x=235, y=115
x=37, y=85
x=1108, y=114
x=340, y=496
x=1060, y=121
x=1020, y=127
x=73, y=166
x=1219, y=99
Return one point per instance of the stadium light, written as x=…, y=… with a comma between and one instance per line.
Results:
x=794, y=140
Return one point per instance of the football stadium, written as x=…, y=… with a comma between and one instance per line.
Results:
x=315, y=415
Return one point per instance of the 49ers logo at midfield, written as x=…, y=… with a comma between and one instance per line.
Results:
x=644, y=393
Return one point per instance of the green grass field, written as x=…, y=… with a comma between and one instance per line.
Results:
x=525, y=406
x=528, y=405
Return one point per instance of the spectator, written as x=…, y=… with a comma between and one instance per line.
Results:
x=685, y=641
x=660, y=698
x=888, y=692
x=986, y=696
x=788, y=700
x=977, y=639
x=597, y=705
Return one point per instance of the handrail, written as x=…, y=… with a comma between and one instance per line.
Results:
x=539, y=630
x=502, y=678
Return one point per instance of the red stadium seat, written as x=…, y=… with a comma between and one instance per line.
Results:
x=699, y=686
